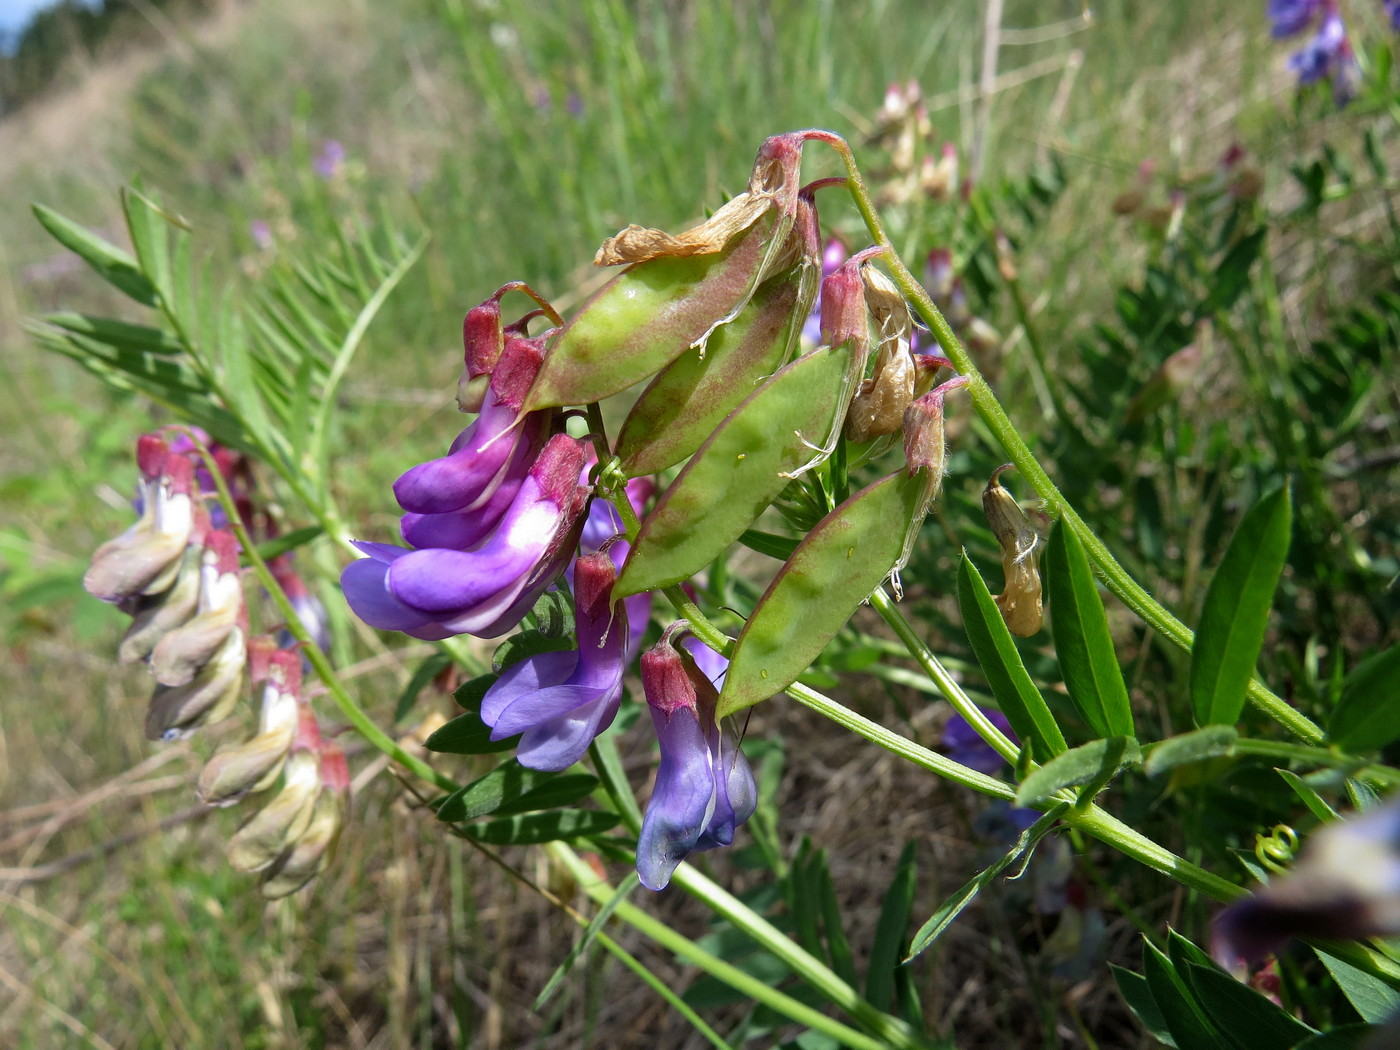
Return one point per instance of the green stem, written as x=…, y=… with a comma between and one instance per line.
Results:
x=1128, y=590
x=1319, y=756
x=947, y=685
x=602, y=892
x=352, y=711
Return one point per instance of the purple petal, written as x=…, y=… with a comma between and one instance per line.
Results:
x=560, y=742
x=365, y=583
x=681, y=803
x=471, y=472
x=736, y=795
x=530, y=675
x=448, y=581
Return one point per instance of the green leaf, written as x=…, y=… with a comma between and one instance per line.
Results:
x=951, y=908
x=1134, y=989
x=470, y=694
x=118, y=333
x=288, y=541
x=1235, y=614
x=996, y=652
x=738, y=472
x=511, y=788
x=1094, y=763
x=533, y=828
x=1373, y=999
x=467, y=734
x=780, y=547
x=1250, y=1020
x=1368, y=716
x=115, y=266
x=1185, y=748
x=525, y=644
x=1082, y=642
x=1315, y=802
x=891, y=933
x=835, y=568
x=837, y=946
x=1183, y=1016
x=1232, y=275
x=429, y=669
x=1347, y=1037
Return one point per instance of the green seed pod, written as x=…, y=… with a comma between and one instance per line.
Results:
x=687, y=402
x=677, y=290
x=738, y=471
x=830, y=573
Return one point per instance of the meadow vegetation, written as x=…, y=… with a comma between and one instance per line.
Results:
x=517, y=136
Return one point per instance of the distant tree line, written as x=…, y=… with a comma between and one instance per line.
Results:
x=61, y=39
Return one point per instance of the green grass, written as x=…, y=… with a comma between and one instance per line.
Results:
x=654, y=111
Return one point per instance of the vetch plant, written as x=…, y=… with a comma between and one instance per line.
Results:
x=822, y=454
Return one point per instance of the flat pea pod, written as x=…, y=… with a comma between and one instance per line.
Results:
x=738, y=471
x=835, y=568
x=646, y=317
x=686, y=403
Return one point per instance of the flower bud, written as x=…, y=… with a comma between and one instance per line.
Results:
x=156, y=616
x=145, y=559
x=277, y=826
x=210, y=696
x=312, y=851
x=1019, y=540
x=482, y=343
x=253, y=765
x=179, y=655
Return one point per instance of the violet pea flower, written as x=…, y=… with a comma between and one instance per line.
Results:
x=704, y=787
x=603, y=524
x=560, y=701
x=435, y=593
x=1290, y=17
x=481, y=459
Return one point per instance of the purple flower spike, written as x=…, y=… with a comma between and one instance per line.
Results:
x=704, y=787
x=435, y=593
x=560, y=701
x=1324, y=53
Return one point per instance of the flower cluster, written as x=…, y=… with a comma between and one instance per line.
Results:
x=704, y=787
x=714, y=317
x=492, y=524
x=1328, y=53
x=176, y=573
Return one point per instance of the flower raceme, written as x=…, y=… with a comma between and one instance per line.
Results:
x=704, y=787
x=560, y=701
x=434, y=593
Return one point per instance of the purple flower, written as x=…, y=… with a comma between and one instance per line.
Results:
x=261, y=233
x=704, y=787
x=328, y=161
x=434, y=593
x=962, y=744
x=1392, y=8
x=560, y=701
x=1319, y=56
x=604, y=525
x=1345, y=884
x=493, y=452
x=1291, y=17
